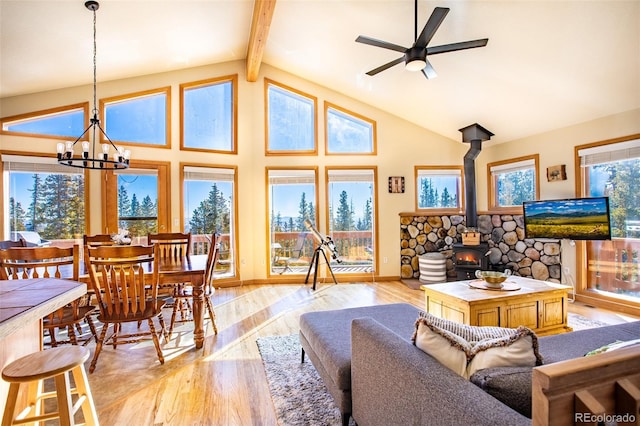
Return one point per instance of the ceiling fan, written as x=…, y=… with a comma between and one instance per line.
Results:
x=415, y=57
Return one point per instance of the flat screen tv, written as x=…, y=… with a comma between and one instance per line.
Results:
x=573, y=218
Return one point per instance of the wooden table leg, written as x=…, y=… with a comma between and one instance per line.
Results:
x=198, y=312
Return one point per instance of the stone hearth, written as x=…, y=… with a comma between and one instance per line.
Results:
x=504, y=235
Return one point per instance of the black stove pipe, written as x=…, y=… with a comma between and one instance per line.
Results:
x=474, y=134
x=471, y=210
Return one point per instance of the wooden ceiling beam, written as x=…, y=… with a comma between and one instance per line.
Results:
x=260, y=24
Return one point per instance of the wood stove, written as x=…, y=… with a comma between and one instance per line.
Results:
x=469, y=259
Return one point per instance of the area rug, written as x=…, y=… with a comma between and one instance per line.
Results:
x=297, y=391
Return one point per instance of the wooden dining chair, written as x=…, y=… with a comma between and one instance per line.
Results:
x=173, y=247
x=185, y=292
x=125, y=282
x=98, y=240
x=49, y=262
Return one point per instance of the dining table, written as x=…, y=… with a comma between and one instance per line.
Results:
x=173, y=271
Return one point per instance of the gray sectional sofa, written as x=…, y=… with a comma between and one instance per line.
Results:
x=377, y=376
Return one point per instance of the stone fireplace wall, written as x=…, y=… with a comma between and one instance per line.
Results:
x=508, y=249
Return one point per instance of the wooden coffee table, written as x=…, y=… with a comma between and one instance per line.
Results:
x=539, y=305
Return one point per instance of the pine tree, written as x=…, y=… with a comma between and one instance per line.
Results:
x=344, y=214
x=36, y=210
x=213, y=214
x=17, y=215
x=303, y=212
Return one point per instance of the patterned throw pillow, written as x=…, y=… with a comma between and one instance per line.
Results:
x=466, y=349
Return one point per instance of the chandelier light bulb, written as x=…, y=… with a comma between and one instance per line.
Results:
x=60, y=148
x=85, y=146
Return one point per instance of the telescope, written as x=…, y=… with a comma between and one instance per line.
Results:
x=324, y=241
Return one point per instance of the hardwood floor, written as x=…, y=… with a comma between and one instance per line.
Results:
x=224, y=383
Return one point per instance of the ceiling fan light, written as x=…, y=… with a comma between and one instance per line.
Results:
x=415, y=59
x=415, y=65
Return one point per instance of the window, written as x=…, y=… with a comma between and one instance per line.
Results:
x=43, y=197
x=208, y=205
x=352, y=221
x=348, y=132
x=511, y=182
x=59, y=123
x=139, y=118
x=439, y=187
x=291, y=199
x=209, y=113
x=290, y=120
x=137, y=200
x=613, y=169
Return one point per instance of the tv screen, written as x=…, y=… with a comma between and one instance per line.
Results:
x=574, y=219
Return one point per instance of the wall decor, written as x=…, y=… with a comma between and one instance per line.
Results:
x=555, y=173
x=396, y=184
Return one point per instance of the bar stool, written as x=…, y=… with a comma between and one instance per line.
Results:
x=53, y=363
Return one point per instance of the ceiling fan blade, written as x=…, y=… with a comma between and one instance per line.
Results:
x=380, y=43
x=386, y=66
x=429, y=72
x=457, y=46
x=432, y=25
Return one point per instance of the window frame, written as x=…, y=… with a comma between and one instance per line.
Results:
x=234, y=217
x=273, y=152
x=374, y=132
x=233, y=79
x=492, y=181
x=105, y=102
x=582, y=291
x=268, y=244
x=374, y=207
x=440, y=169
x=4, y=186
x=35, y=115
x=110, y=195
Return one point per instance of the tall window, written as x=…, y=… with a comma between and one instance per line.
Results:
x=209, y=113
x=352, y=220
x=138, y=118
x=613, y=170
x=137, y=200
x=348, y=132
x=43, y=197
x=208, y=197
x=292, y=199
x=60, y=123
x=439, y=187
x=511, y=182
x=290, y=120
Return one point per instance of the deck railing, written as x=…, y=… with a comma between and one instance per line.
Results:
x=614, y=266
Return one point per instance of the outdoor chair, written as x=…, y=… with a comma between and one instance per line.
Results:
x=294, y=256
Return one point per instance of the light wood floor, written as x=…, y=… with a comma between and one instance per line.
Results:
x=224, y=383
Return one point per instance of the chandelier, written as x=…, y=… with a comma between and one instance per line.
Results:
x=89, y=158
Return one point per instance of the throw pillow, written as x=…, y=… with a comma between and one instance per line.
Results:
x=466, y=349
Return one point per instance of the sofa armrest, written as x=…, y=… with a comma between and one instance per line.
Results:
x=393, y=382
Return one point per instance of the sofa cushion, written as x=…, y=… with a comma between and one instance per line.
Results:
x=466, y=349
x=510, y=385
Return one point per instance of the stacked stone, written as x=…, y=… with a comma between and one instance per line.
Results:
x=503, y=233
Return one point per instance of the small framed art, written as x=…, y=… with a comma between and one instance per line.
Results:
x=555, y=173
x=396, y=184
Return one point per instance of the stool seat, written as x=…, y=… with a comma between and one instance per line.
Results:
x=57, y=364
x=44, y=364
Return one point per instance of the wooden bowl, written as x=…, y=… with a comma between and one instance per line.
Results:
x=492, y=278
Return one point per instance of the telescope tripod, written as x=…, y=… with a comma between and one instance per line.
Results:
x=314, y=265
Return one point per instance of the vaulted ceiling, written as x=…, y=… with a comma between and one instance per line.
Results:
x=548, y=64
